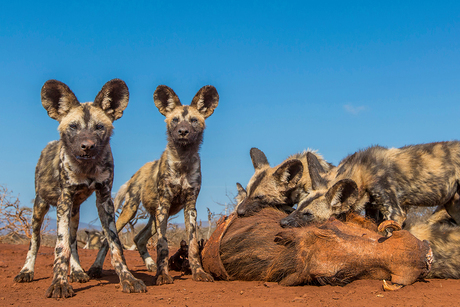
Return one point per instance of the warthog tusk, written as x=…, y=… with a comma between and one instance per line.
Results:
x=388, y=286
x=387, y=225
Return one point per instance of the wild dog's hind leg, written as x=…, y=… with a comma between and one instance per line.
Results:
x=141, y=240
x=127, y=213
x=76, y=271
x=198, y=273
x=106, y=213
x=27, y=272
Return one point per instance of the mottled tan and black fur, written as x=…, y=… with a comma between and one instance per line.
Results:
x=386, y=179
x=68, y=172
x=444, y=236
x=170, y=184
x=281, y=186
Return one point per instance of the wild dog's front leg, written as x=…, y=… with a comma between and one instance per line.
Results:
x=162, y=276
x=390, y=209
x=198, y=273
x=60, y=287
x=105, y=209
x=76, y=271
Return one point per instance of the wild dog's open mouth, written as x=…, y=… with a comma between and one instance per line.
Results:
x=86, y=157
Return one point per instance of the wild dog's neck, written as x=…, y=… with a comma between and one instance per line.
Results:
x=181, y=153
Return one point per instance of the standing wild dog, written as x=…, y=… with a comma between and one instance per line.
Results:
x=281, y=186
x=170, y=184
x=387, y=179
x=68, y=172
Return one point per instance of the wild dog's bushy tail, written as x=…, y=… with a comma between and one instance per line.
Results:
x=120, y=197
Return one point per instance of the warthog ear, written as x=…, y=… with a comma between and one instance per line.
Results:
x=113, y=98
x=165, y=99
x=241, y=193
x=343, y=194
x=58, y=99
x=206, y=100
x=258, y=158
x=316, y=169
x=289, y=173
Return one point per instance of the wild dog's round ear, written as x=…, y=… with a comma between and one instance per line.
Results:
x=315, y=170
x=206, y=100
x=165, y=99
x=343, y=194
x=58, y=99
x=258, y=158
x=289, y=173
x=113, y=98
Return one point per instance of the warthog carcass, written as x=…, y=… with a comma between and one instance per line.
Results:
x=333, y=252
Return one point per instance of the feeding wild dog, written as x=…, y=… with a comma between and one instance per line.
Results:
x=387, y=179
x=170, y=184
x=281, y=186
x=68, y=172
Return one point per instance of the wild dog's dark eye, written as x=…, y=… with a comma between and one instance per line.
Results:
x=193, y=120
x=100, y=127
x=73, y=126
x=175, y=120
x=258, y=197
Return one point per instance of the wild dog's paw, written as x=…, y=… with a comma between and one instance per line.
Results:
x=133, y=285
x=24, y=277
x=79, y=276
x=202, y=276
x=163, y=279
x=95, y=272
x=151, y=265
x=60, y=289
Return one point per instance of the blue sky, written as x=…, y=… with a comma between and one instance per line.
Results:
x=329, y=75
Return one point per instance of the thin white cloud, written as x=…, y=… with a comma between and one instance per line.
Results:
x=354, y=110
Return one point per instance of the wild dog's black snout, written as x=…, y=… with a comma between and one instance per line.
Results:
x=183, y=132
x=87, y=145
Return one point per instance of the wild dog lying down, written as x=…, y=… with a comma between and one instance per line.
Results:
x=388, y=179
x=444, y=237
x=68, y=172
x=281, y=186
x=170, y=184
x=333, y=252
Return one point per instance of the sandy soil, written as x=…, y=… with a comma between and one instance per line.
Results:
x=186, y=292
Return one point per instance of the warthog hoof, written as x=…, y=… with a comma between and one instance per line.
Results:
x=389, y=286
x=79, y=276
x=60, y=289
x=24, y=277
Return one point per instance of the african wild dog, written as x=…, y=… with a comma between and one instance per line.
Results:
x=387, y=179
x=170, y=184
x=281, y=186
x=68, y=172
x=444, y=236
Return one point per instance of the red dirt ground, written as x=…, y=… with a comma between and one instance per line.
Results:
x=186, y=292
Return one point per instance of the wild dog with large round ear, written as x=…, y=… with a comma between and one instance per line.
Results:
x=387, y=179
x=68, y=172
x=281, y=186
x=170, y=184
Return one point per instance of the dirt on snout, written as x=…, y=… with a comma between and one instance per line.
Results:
x=186, y=292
